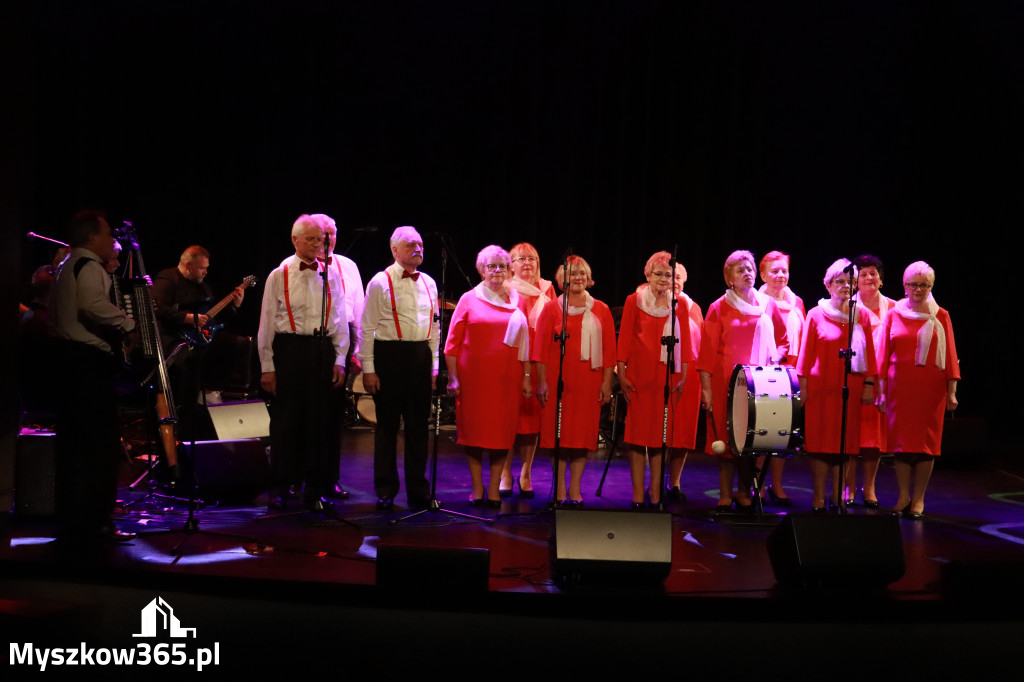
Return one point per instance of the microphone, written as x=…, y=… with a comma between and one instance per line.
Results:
x=33, y=235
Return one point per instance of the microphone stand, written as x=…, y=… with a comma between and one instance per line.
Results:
x=847, y=355
x=434, y=506
x=562, y=337
x=669, y=342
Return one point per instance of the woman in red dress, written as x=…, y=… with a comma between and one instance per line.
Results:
x=642, y=364
x=920, y=370
x=775, y=275
x=872, y=422
x=821, y=371
x=586, y=375
x=487, y=355
x=743, y=327
x=534, y=292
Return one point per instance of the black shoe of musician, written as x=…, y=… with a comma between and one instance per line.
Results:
x=337, y=491
x=419, y=503
x=385, y=503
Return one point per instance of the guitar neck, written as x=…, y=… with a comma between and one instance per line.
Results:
x=212, y=312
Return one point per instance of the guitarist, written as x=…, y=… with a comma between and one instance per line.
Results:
x=178, y=295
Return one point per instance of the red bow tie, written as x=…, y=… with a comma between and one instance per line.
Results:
x=308, y=266
x=414, y=276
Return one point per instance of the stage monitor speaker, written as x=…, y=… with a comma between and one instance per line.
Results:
x=611, y=547
x=34, y=474
x=837, y=551
x=231, y=470
x=248, y=419
x=447, y=569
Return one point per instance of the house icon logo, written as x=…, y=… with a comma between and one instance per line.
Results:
x=158, y=619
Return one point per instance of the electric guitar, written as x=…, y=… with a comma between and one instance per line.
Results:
x=204, y=335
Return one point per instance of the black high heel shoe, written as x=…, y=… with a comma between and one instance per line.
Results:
x=776, y=500
x=525, y=494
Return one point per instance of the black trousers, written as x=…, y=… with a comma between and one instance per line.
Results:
x=300, y=430
x=404, y=369
x=88, y=440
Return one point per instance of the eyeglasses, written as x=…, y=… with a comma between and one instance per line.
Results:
x=661, y=275
x=525, y=259
x=924, y=286
x=496, y=267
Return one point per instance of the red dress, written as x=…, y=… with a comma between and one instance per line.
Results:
x=872, y=422
x=915, y=394
x=489, y=372
x=726, y=341
x=529, y=408
x=821, y=365
x=640, y=348
x=581, y=409
x=691, y=391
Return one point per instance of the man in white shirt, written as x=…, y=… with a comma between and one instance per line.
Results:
x=398, y=352
x=302, y=364
x=348, y=285
x=89, y=329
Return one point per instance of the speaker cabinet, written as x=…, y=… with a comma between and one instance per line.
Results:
x=618, y=547
x=247, y=419
x=34, y=495
x=435, y=569
x=837, y=551
x=231, y=470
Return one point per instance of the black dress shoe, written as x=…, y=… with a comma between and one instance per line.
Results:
x=776, y=500
x=338, y=492
x=316, y=502
x=385, y=504
x=504, y=492
x=276, y=502
x=419, y=503
x=914, y=516
x=871, y=504
x=493, y=504
x=639, y=506
x=476, y=501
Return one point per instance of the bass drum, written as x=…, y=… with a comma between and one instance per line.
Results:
x=766, y=414
x=365, y=407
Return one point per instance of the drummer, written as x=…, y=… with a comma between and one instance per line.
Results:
x=822, y=377
x=742, y=327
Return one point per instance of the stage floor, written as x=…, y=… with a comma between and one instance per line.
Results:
x=720, y=568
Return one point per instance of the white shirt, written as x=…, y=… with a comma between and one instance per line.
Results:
x=344, y=271
x=80, y=305
x=305, y=295
x=415, y=303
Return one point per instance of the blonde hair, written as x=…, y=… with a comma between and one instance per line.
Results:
x=836, y=269
x=919, y=268
x=575, y=262
x=733, y=260
x=493, y=251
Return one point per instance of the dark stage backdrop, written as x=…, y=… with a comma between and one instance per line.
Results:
x=616, y=128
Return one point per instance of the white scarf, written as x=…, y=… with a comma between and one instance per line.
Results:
x=527, y=289
x=645, y=301
x=591, y=343
x=517, y=332
x=794, y=318
x=931, y=328
x=763, y=350
x=877, y=319
x=858, y=363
